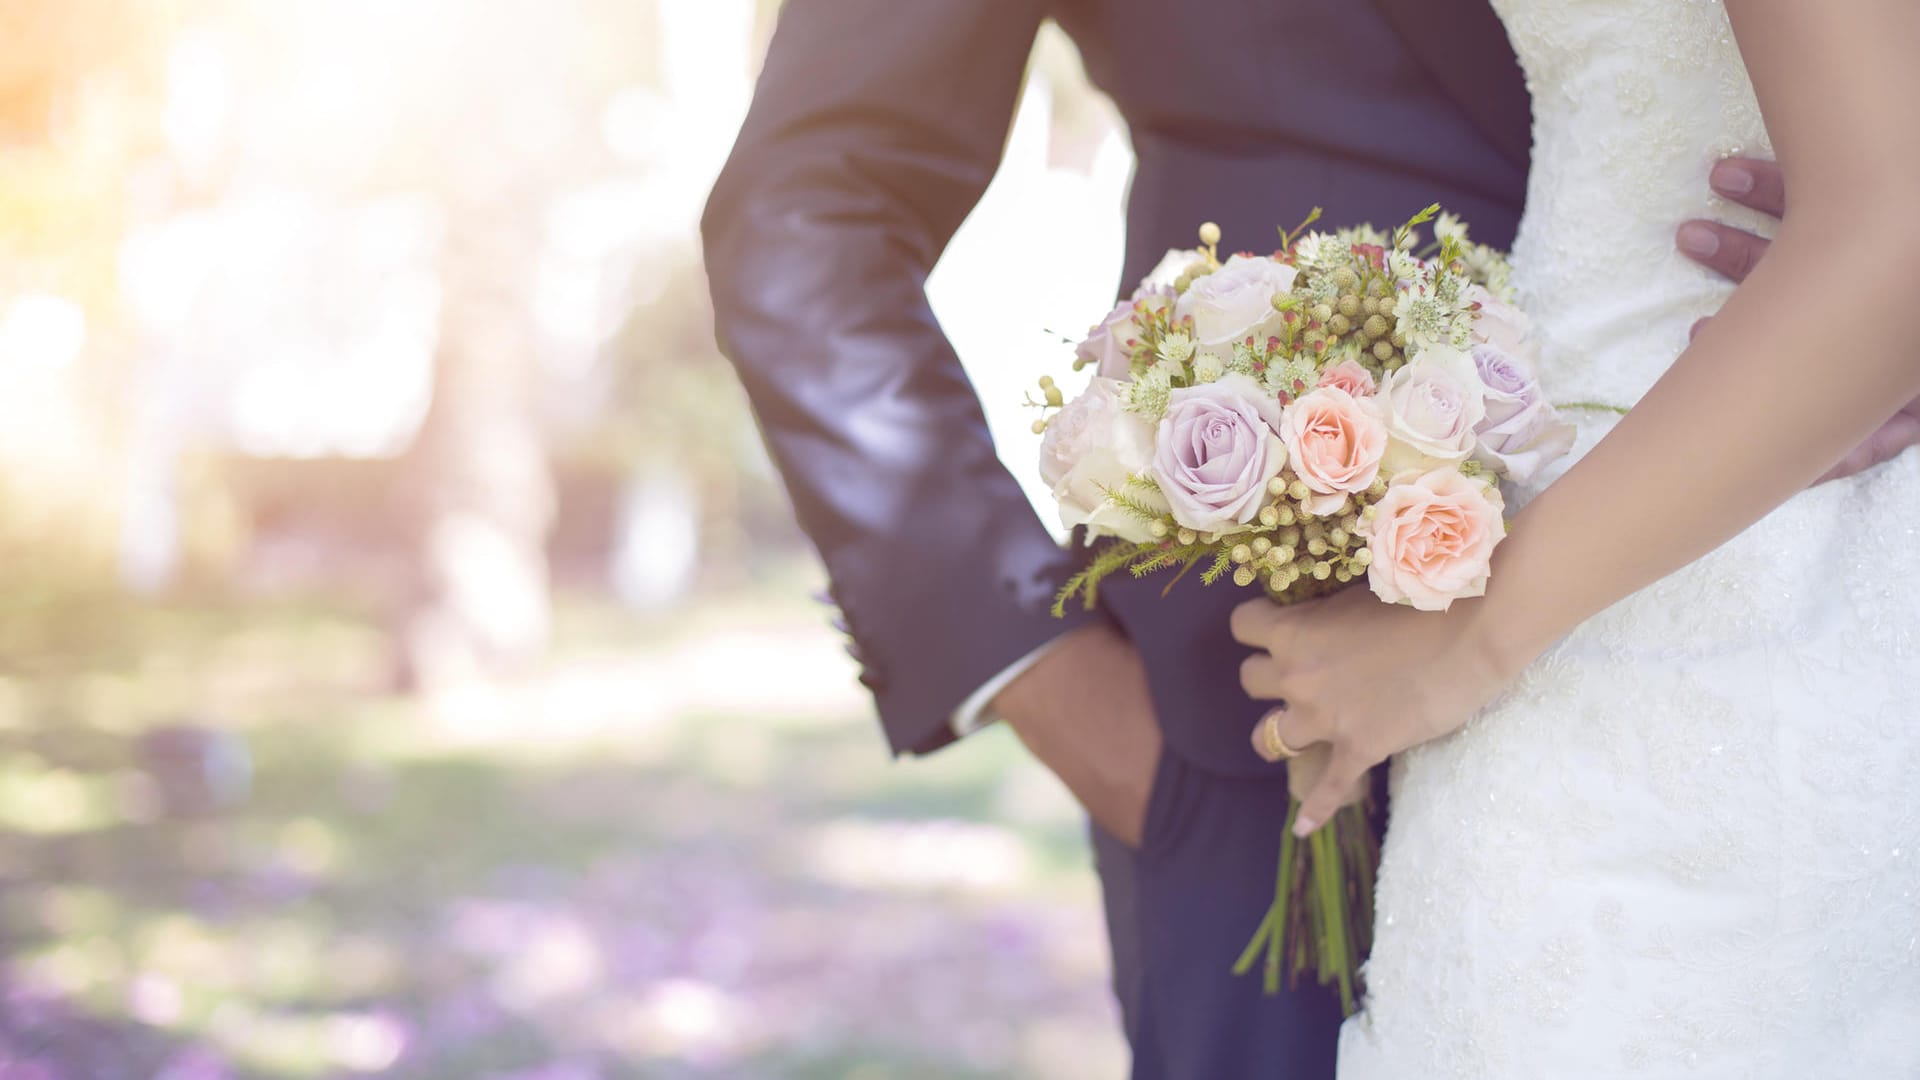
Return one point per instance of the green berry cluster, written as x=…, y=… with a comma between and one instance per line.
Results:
x=1297, y=554
x=1357, y=318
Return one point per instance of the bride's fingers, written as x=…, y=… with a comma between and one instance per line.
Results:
x=1296, y=732
x=1344, y=771
x=1263, y=738
x=1253, y=622
x=1263, y=677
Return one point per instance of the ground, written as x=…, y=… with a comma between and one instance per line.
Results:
x=680, y=851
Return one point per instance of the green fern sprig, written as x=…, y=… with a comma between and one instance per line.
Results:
x=1086, y=583
x=1222, y=562
x=1131, y=504
x=1161, y=558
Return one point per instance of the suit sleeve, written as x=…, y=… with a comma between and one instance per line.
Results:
x=874, y=130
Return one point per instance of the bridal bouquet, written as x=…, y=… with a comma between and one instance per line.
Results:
x=1340, y=409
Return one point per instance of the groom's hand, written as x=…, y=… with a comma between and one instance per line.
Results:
x=1085, y=713
x=1734, y=253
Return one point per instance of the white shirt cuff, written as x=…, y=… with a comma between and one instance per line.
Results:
x=976, y=711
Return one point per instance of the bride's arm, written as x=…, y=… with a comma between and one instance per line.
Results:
x=1808, y=357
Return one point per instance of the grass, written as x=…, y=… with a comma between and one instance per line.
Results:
x=678, y=851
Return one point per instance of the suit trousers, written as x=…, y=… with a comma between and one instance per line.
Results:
x=1180, y=909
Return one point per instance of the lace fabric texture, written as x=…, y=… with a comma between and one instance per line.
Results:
x=1683, y=844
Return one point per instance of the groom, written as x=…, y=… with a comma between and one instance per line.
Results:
x=876, y=127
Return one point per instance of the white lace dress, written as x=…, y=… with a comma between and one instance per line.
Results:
x=1687, y=842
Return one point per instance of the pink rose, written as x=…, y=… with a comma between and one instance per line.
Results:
x=1432, y=406
x=1334, y=442
x=1348, y=375
x=1499, y=323
x=1521, y=433
x=1432, y=538
x=1109, y=345
x=1215, y=452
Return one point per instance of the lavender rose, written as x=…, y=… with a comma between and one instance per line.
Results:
x=1109, y=345
x=1215, y=452
x=1433, y=406
x=1093, y=446
x=1235, y=302
x=1521, y=433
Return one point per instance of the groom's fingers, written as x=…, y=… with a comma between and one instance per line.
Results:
x=1721, y=248
x=1891, y=440
x=1753, y=183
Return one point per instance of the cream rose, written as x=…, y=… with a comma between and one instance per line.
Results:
x=1432, y=538
x=1235, y=302
x=1432, y=406
x=1334, y=442
x=1091, y=447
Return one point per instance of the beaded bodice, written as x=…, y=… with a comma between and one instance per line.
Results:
x=1634, y=100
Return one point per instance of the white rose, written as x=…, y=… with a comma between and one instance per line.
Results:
x=1093, y=446
x=1171, y=266
x=1433, y=404
x=1235, y=302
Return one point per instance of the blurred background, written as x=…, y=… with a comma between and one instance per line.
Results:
x=384, y=545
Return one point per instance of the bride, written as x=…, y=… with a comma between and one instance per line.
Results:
x=1657, y=796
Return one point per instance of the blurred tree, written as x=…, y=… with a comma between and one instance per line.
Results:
x=79, y=91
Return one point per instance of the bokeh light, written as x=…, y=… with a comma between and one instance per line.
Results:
x=408, y=666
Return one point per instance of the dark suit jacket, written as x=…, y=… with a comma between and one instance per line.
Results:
x=875, y=128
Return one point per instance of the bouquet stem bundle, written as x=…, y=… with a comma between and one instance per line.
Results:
x=1321, y=919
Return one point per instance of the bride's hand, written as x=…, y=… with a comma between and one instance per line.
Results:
x=1365, y=678
x=1305, y=770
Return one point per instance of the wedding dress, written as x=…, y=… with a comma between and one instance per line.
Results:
x=1687, y=841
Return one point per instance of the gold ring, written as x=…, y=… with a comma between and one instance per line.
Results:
x=1277, y=747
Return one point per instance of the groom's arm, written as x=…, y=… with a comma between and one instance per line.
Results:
x=874, y=130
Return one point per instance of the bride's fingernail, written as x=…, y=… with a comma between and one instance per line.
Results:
x=1303, y=826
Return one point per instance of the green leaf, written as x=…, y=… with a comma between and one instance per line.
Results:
x=1287, y=238
x=1222, y=562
